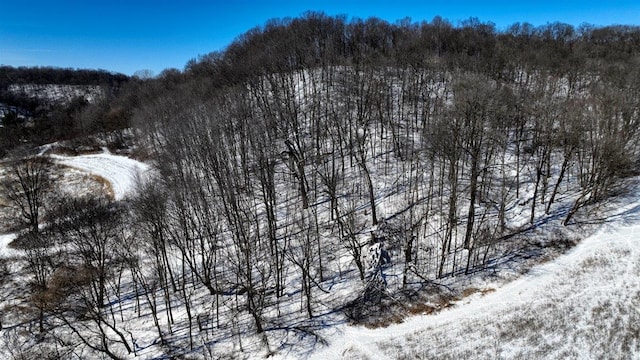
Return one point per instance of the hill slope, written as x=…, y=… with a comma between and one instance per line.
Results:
x=583, y=305
x=319, y=173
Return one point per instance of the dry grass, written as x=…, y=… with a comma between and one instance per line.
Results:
x=384, y=321
x=106, y=185
x=472, y=290
x=396, y=315
x=421, y=309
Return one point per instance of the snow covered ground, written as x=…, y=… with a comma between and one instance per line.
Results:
x=5, y=250
x=119, y=171
x=583, y=305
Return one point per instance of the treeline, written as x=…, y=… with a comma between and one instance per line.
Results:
x=316, y=39
x=319, y=152
x=61, y=76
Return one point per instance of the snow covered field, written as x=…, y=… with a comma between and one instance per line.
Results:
x=121, y=172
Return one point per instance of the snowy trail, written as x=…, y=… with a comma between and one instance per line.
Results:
x=120, y=171
x=554, y=311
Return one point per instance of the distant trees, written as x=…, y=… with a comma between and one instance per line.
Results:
x=36, y=120
x=53, y=75
x=12, y=132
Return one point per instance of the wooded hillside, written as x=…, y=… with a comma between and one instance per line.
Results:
x=322, y=170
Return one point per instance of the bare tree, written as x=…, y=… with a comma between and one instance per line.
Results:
x=41, y=262
x=85, y=291
x=27, y=185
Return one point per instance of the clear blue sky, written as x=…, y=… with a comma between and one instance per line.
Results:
x=125, y=36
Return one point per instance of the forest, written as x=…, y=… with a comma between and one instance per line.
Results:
x=319, y=170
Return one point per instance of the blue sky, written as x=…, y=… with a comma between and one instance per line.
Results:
x=126, y=36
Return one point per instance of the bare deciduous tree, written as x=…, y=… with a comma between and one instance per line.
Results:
x=27, y=185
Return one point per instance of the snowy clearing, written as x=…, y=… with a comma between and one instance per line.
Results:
x=121, y=172
x=585, y=304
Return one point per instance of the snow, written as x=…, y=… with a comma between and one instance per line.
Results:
x=121, y=172
x=58, y=93
x=582, y=305
x=5, y=250
x=577, y=306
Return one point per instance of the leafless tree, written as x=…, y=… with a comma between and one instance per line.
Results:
x=27, y=185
